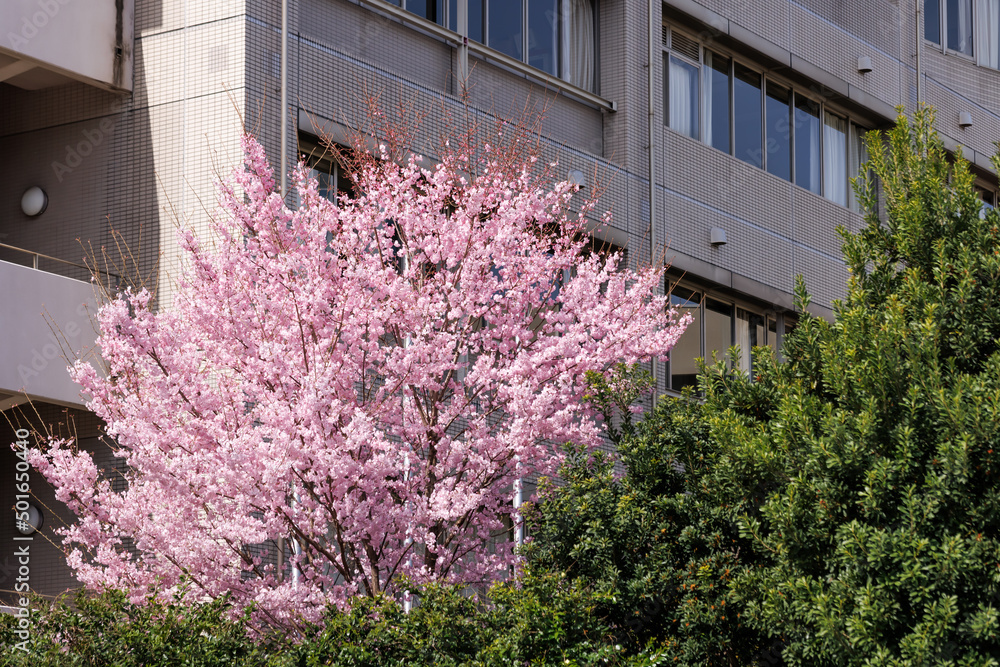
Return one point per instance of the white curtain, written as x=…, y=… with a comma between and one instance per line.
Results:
x=835, y=159
x=743, y=339
x=857, y=156
x=988, y=33
x=683, y=97
x=959, y=22
x=577, y=48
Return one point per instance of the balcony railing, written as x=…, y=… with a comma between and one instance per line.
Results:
x=61, y=267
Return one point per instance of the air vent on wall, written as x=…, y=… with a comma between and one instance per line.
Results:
x=681, y=43
x=666, y=36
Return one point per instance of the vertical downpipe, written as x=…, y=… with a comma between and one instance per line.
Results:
x=653, y=244
x=462, y=21
x=283, y=123
x=920, y=48
x=284, y=97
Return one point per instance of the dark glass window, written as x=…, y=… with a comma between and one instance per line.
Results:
x=717, y=100
x=543, y=35
x=718, y=330
x=750, y=333
x=807, y=142
x=475, y=9
x=716, y=327
x=772, y=335
x=424, y=8
x=932, y=21
x=331, y=179
x=504, y=24
x=747, y=115
x=684, y=355
x=555, y=36
x=476, y=28
x=959, y=23
x=779, y=131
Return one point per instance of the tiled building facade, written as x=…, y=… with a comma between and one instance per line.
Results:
x=752, y=128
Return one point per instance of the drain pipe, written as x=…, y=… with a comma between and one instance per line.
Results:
x=651, y=65
x=920, y=48
x=462, y=23
x=284, y=97
x=283, y=127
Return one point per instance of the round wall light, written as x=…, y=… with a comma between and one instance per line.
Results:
x=33, y=522
x=33, y=201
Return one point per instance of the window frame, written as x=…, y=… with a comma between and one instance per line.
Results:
x=768, y=315
x=766, y=76
x=444, y=19
x=322, y=160
x=942, y=45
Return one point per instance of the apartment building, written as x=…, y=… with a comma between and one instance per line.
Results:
x=723, y=132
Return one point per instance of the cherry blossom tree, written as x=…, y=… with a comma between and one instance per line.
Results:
x=363, y=380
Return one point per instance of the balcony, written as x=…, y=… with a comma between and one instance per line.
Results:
x=45, y=319
x=51, y=42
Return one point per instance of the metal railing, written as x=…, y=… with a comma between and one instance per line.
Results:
x=36, y=256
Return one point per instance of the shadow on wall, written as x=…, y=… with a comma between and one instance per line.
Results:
x=45, y=569
x=93, y=153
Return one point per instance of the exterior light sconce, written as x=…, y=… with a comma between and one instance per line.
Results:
x=33, y=201
x=864, y=64
x=31, y=523
x=576, y=177
x=718, y=237
x=964, y=119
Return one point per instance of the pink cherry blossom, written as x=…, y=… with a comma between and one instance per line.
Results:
x=366, y=380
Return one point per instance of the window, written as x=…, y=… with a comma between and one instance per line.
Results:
x=331, y=179
x=428, y=9
x=958, y=25
x=717, y=324
x=778, y=131
x=718, y=331
x=682, y=92
x=988, y=33
x=835, y=172
x=684, y=355
x=717, y=107
x=748, y=334
x=682, y=95
x=932, y=21
x=713, y=97
x=969, y=27
x=989, y=197
x=807, y=144
x=503, y=29
x=477, y=21
x=748, y=117
x=554, y=36
x=857, y=156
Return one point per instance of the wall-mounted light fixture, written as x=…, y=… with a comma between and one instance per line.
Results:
x=31, y=523
x=718, y=236
x=964, y=119
x=576, y=177
x=864, y=64
x=33, y=201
